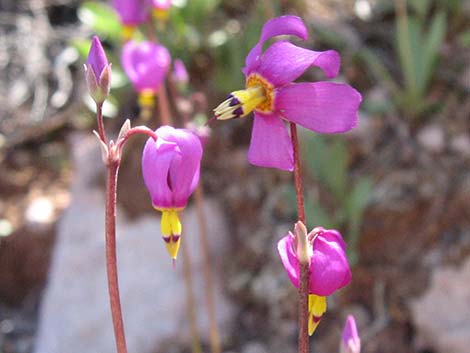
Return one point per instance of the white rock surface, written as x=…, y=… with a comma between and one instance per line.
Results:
x=75, y=315
x=442, y=314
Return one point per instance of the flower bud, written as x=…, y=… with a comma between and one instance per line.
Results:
x=180, y=75
x=98, y=72
x=350, y=341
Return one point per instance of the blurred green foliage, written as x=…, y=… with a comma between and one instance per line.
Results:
x=326, y=158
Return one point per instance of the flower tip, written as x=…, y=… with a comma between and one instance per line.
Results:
x=350, y=341
x=172, y=245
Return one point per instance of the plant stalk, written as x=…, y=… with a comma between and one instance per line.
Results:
x=99, y=119
x=304, y=269
x=214, y=336
x=111, y=262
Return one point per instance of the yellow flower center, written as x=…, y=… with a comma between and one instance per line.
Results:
x=258, y=95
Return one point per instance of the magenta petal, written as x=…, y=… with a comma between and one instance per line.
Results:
x=285, y=247
x=97, y=57
x=324, y=107
x=270, y=144
x=184, y=168
x=132, y=12
x=156, y=160
x=284, y=62
x=146, y=64
x=284, y=25
x=329, y=268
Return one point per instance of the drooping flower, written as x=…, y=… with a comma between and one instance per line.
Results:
x=146, y=64
x=98, y=72
x=131, y=13
x=170, y=167
x=160, y=9
x=323, y=107
x=329, y=267
x=350, y=341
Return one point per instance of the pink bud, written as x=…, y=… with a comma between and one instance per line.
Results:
x=98, y=72
x=350, y=341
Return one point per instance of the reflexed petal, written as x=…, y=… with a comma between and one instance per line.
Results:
x=284, y=25
x=146, y=64
x=156, y=160
x=284, y=62
x=285, y=247
x=270, y=144
x=324, y=107
x=184, y=168
x=329, y=268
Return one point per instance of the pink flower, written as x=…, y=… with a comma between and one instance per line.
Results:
x=98, y=72
x=180, y=74
x=160, y=9
x=170, y=167
x=350, y=341
x=132, y=12
x=329, y=267
x=323, y=107
x=146, y=64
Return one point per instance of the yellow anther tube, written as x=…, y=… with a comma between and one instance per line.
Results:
x=316, y=309
x=171, y=230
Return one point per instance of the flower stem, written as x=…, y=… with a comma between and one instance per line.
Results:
x=304, y=269
x=111, y=263
x=165, y=114
x=191, y=305
x=214, y=336
x=99, y=119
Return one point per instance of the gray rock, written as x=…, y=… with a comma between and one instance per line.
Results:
x=442, y=314
x=432, y=138
x=75, y=315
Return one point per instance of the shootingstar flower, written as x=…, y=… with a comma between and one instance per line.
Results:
x=323, y=107
x=98, y=72
x=329, y=267
x=132, y=13
x=146, y=64
x=170, y=167
x=350, y=341
x=160, y=9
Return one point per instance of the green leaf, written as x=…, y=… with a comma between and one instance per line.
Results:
x=406, y=37
x=82, y=46
x=101, y=18
x=421, y=7
x=317, y=216
x=431, y=46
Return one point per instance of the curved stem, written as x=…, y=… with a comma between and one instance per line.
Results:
x=214, y=336
x=303, y=268
x=111, y=262
x=134, y=131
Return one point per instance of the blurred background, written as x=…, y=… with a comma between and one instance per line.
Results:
x=397, y=187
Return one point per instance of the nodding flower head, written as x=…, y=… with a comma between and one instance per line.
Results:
x=350, y=341
x=146, y=64
x=324, y=250
x=323, y=107
x=160, y=9
x=98, y=72
x=131, y=13
x=170, y=167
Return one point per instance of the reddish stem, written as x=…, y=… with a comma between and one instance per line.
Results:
x=111, y=262
x=135, y=130
x=208, y=275
x=304, y=269
x=99, y=119
x=165, y=114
